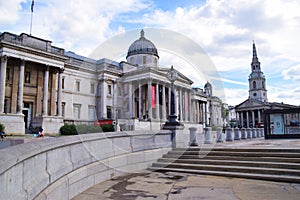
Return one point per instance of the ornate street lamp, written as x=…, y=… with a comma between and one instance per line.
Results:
x=172, y=76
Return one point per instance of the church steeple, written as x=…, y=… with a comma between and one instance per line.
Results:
x=257, y=80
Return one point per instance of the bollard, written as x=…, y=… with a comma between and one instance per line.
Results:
x=219, y=135
x=258, y=133
x=193, y=136
x=207, y=132
x=237, y=134
x=229, y=134
x=253, y=132
x=243, y=133
x=249, y=134
x=262, y=132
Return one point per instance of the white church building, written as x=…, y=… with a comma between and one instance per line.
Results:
x=43, y=85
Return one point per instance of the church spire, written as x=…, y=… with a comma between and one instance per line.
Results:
x=254, y=58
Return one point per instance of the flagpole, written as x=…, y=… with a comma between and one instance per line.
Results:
x=31, y=23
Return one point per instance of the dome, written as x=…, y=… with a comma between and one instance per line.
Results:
x=142, y=46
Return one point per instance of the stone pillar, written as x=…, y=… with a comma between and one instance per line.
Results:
x=247, y=118
x=59, y=92
x=190, y=107
x=259, y=116
x=229, y=134
x=163, y=107
x=169, y=101
x=253, y=119
x=219, y=135
x=253, y=132
x=130, y=96
x=193, y=136
x=2, y=82
x=103, y=98
x=249, y=133
x=21, y=87
x=140, y=101
x=157, y=101
x=180, y=105
x=237, y=119
x=237, y=134
x=205, y=111
x=242, y=120
x=150, y=99
x=45, y=92
x=207, y=135
x=243, y=133
x=176, y=101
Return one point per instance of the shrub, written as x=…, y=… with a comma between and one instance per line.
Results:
x=68, y=129
x=2, y=128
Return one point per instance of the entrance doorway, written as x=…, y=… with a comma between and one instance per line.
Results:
x=27, y=110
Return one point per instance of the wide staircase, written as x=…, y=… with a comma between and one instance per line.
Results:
x=264, y=164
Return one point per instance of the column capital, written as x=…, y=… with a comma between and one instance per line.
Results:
x=4, y=58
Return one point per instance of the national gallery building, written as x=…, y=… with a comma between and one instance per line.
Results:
x=43, y=85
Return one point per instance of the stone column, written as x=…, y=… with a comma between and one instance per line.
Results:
x=247, y=117
x=150, y=99
x=130, y=96
x=186, y=118
x=169, y=101
x=205, y=111
x=157, y=101
x=140, y=101
x=45, y=92
x=103, y=98
x=59, y=92
x=242, y=119
x=190, y=107
x=2, y=82
x=259, y=116
x=180, y=105
x=163, y=107
x=21, y=87
x=176, y=101
x=253, y=119
x=237, y=119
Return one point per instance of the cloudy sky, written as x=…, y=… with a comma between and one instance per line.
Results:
x=224, y=29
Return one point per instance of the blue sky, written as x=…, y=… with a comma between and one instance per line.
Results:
x=224, y=29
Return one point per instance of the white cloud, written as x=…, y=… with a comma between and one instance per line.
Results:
x=292, y=73
x=9, y=11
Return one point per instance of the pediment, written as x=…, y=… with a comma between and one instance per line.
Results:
x=249, y=103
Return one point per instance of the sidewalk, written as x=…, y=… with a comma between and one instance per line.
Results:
x=171, y=186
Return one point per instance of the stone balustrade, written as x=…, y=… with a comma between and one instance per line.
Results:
x=61, y=168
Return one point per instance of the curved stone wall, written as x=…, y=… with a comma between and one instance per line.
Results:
x=61, y=168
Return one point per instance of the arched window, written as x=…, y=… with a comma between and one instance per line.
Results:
x=254, y=84
x=263, y=84
x=144, y=60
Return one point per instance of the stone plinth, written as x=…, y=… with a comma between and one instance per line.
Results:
x=14, y=123
x=229, y=134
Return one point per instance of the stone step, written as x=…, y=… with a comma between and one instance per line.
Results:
x=268, y=177
x=240, y=169
x=240, y=149
x=245, y=158
x=233, y=153
x=204, y=161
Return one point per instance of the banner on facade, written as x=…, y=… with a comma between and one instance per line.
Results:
x=153, y=97
x=278, y=124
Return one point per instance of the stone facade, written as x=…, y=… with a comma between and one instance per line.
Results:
x=135, y=93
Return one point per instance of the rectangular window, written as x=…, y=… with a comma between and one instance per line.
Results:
x=76, y=111
x=78, y=86
x=109, y=114
x=63, y=108
x=27, y=77
x=63, y=82
x=109, y=90
x=92, y=89
x=144, y=60
x=92, y=115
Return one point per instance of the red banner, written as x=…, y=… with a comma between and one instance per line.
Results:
x=153, y=97
x=103, y=122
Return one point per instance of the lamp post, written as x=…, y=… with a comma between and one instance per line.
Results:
x=172, y=76
x=172, y=124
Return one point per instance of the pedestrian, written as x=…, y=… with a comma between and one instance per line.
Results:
x=41, y=134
